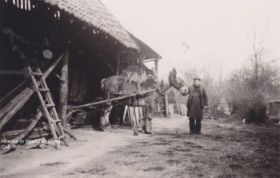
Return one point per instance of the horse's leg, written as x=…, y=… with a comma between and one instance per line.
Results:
x=131, y=116
x=149, y=127
x=107, y=116
x=104, y=119
x=135, y=125
x=144, y=119
x=105, y=113
x=102, y=122
x=147, y=120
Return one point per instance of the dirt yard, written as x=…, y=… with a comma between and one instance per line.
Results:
x=226, y=149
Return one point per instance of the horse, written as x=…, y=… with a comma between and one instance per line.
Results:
x=112, y=87
x=129, y=82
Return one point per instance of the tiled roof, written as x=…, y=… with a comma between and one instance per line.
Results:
x=96, y=14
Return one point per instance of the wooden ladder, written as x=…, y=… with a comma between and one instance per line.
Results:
x=47, y=103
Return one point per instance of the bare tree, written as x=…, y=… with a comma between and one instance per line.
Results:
x=250, y=87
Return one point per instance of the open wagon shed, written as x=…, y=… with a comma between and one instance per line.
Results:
x=133, y=67
x=66, y=47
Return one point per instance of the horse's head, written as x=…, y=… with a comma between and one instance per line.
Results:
x=184, y=90
x=102, y=83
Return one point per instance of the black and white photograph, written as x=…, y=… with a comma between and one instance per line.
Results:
x=140, y=88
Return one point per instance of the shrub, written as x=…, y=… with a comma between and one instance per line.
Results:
x=250, y=88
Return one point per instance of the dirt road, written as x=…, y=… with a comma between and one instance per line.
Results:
x=227, y=148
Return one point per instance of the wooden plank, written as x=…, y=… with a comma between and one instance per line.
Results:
x=33, y=123
x=15, y=105
x=8, y=103
x=12, y=94
x=14, y=133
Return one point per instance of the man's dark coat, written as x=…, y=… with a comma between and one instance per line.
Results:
x=196, y=101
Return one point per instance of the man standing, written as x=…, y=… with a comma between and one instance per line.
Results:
x=197, y=100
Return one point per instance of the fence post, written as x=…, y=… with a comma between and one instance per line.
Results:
x=166, y=105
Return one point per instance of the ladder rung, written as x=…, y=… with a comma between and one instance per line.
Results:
x=44, y=89
x=55, y=121
x=50, y=105
x=61, y=137
x=38, y=74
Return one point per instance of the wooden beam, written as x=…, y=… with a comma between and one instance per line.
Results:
x=12, y=94
x=30, y=127
x=119, y=63
x=15, y=105
x=111, y=100
x=149, y=60
x=18, y=101
x=70, y=134
x=14, y=133
x=63, y=89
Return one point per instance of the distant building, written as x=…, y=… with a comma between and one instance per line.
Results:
x=224, y=106
x=273, y=110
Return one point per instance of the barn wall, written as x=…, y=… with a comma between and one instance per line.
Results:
x=91, y=57
x=35, y=31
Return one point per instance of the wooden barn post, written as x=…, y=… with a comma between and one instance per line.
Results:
x=63, y=89
x=156, y=67
x=166, y=109
x=118, y=56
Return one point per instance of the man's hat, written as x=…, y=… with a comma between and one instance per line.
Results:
x=196, y=77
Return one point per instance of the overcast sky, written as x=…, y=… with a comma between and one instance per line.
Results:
x=213, y=35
